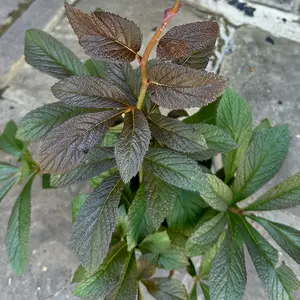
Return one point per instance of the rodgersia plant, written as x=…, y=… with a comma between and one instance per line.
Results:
x=157, y=200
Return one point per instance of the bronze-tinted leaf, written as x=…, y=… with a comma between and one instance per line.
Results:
x=176, y=87
x=87, y=91
x=105, y=35
x=66, y=145
x=190, y=44
x=132, y=145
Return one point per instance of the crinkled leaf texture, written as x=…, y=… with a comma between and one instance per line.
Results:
x=95, y=223
x=66, y=145
x=48, y=55
x=105, y=35
x=173, y=86
x=132, y=145
x=190, y=44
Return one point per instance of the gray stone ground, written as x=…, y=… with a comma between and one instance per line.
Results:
x=266, y=74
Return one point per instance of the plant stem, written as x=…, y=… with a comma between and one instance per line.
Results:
x=236, y=211
x=148, y=50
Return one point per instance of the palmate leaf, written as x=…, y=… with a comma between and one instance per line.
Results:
x=105, y=35
x=48, y=55
x=17, y=234
x=175, y=134
x=67, y=144
x=132, y=145
x=95, y=223
x=88, y=91
x=282, y=196
x=97, y=161
x=262, y=160
x=166, y=288
x=176, y=87
x=189, y=44
x=39, y=122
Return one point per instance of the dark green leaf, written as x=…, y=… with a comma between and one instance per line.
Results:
x=105, y=35
x=206, y=235
x=39, y=122
x=48, y=55
x=95, y=223
x=77, y=203
x=46, y=181
x=176, y=169
x=121, y=226
x=178, y=113
x=193, y=292
x=67, y=144
x=234, y=117
x=155, y=243
x=288, y=278
x=97, y=161
x=166, y=289
x=17, y=235
x=175, y=134
x=205, y=290
x=177, y=87
x=79, y=275
x=282, y=196
x=160, y=198
x=96, y=68
x=6, y=187
x=7, y=170
x=262, y=161
x=132, y=145
x=88, y=91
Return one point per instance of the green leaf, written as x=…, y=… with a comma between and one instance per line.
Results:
x=96, y=181
x=25, y=170
x=48, y=55
x=145, y=268
x=132, y=145
x=97, y=161
x=265, y=123
x=7, y=170
x=288, y=278
x=155, y=243
x=193, y=292
x=175, y=134
x=39, y=122
x=265, y=257
x=160, y=198
x=227, y=277
x=46, y=181
x=95, y=223
x=17, y=235
x=166, y=289
x=110, y=139
x=286, y=237
x=121, y=226
x=282, y=196
x=186, y=212
x=217, y=140
x=139, y=223
x=262, y=161
x=77, y=203
x=234, y=117
x=6, y=187
x=176, y=169
x=8, y=141
x=67, y=144
x=206, y=234
x=205, y=290
x=79, y=275
x=96, y=68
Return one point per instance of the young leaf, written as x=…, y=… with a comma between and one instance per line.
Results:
x=105, y=35
x=286, y=237
x=175, y=134
x=79, y=275
x=132, y=145
x=39, y=122
x=262, y=161
x=17, y=234
x=206, y=235
x=8, y=141
x=139, y=223
x=234, y=117
x=67, y=144
x=189, y=44
x=88, y=91
x=186, y=212
x=176, y=87
x=282, y=196
x=166, y=288
x=7, y=170
x=160, y=198
x=95, y=223
x=77, y=203
x=156, y=243
x=96, y=68
x=175, y=169
x=97, y=161
x=48, y=55
x=227, y=277
x=217, y=140
x=5, y=188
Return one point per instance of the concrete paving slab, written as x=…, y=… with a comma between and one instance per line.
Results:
x=281, y=4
